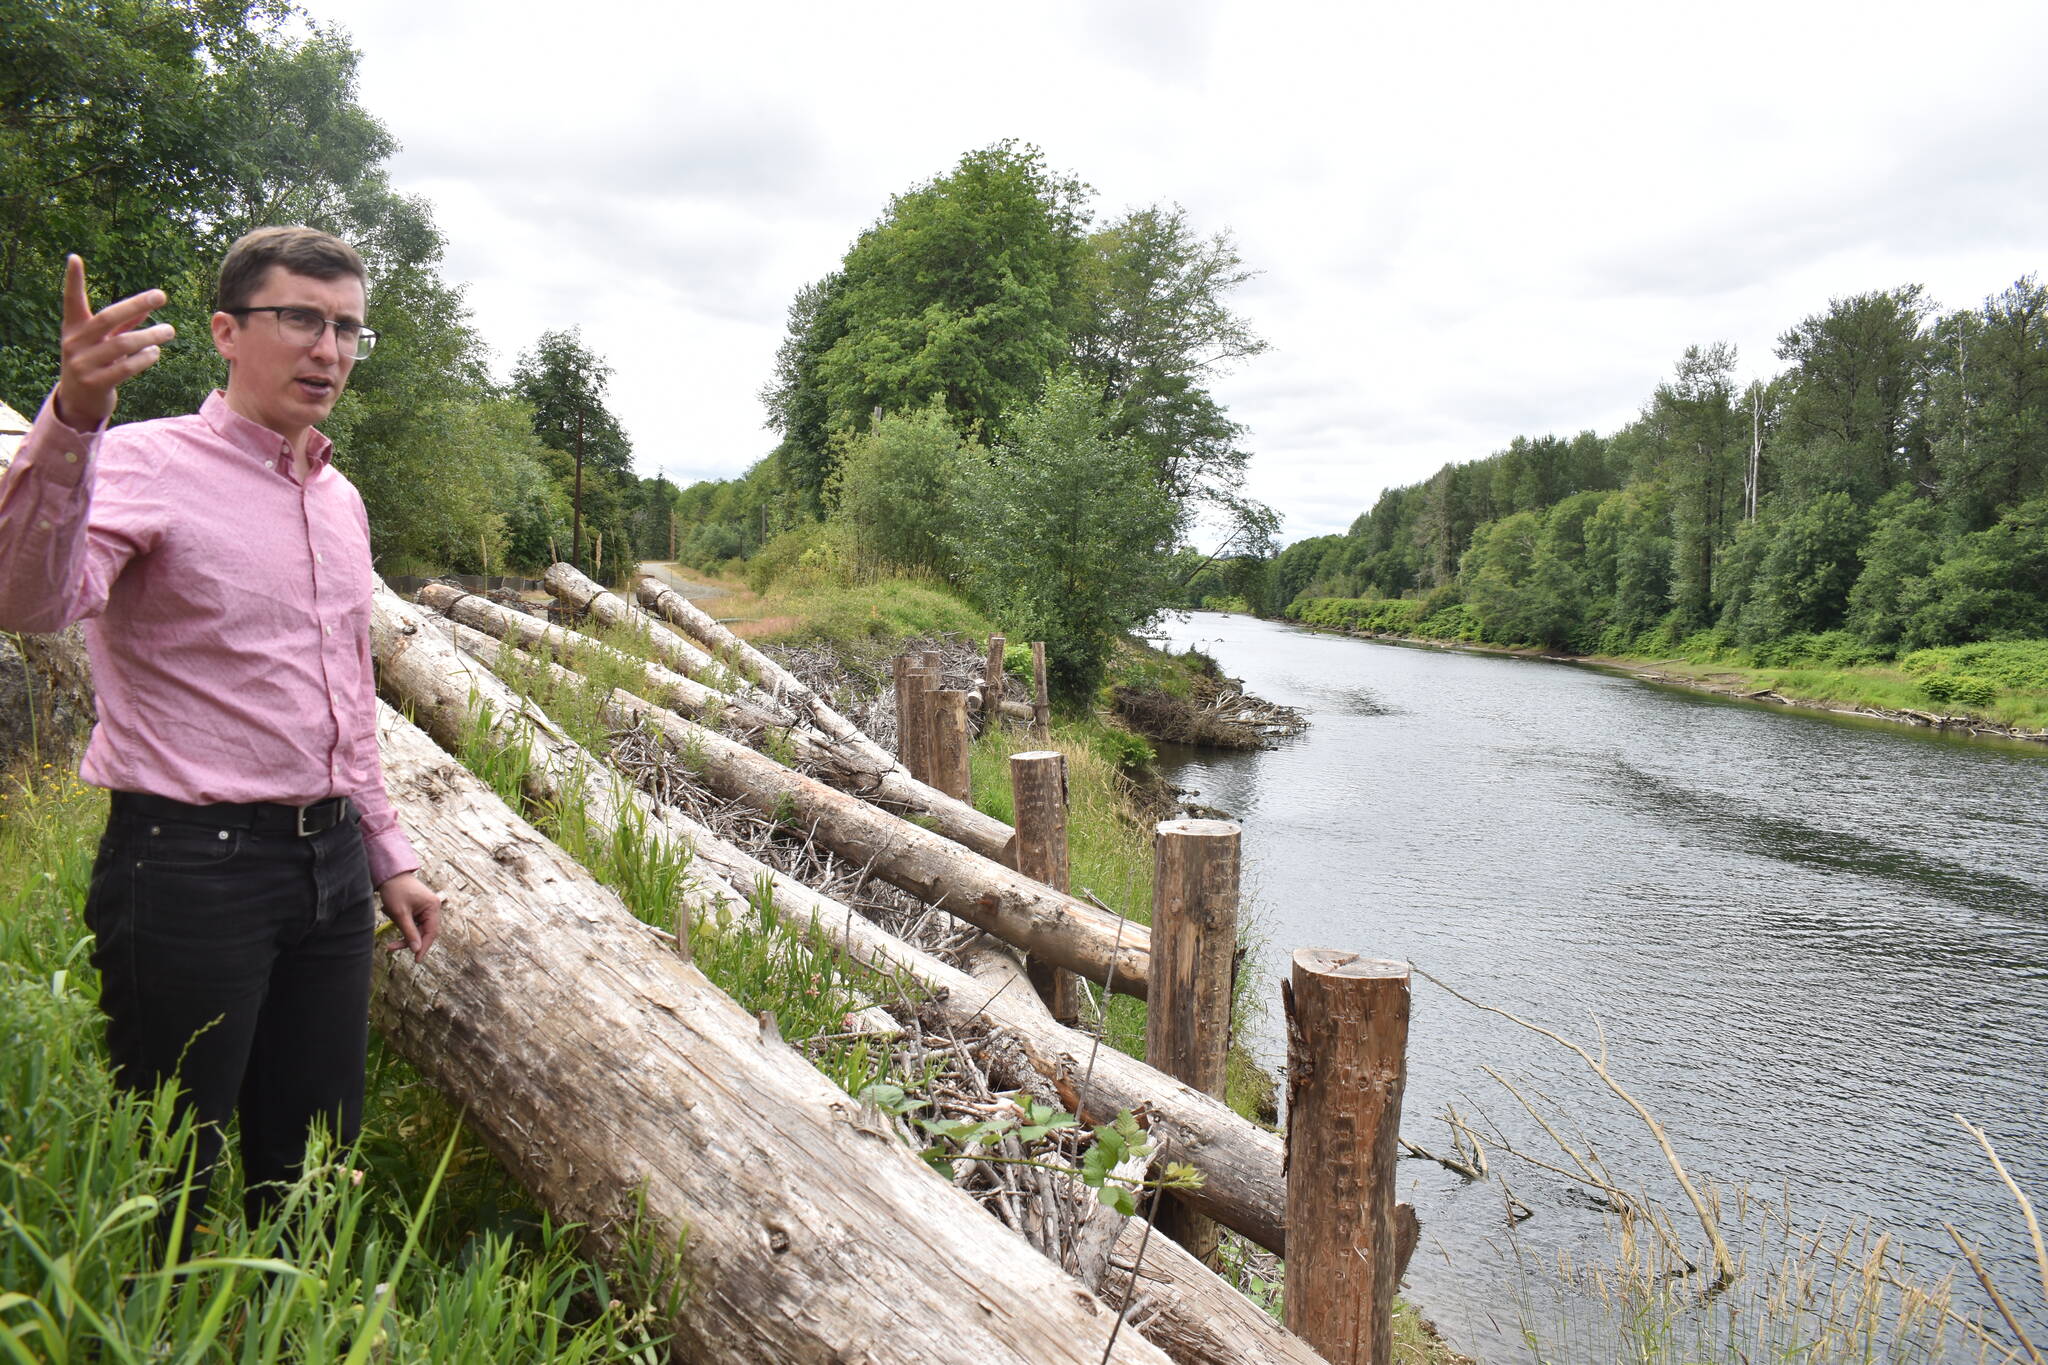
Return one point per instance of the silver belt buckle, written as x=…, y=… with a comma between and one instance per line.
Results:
x=303, y=831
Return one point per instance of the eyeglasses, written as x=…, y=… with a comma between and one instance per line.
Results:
x=303, y=327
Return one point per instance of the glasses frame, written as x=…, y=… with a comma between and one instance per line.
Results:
x=366, y=337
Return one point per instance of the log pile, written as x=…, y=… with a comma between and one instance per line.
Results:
x=1219, y=715
x=1025, y=1050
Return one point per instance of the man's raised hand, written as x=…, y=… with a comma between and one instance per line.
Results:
x=103, y=350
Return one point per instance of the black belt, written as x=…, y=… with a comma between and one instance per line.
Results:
x=258, y=817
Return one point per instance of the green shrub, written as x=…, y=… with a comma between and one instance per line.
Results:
x=1959, y=689
x=1126, y=750
x=2021, y=665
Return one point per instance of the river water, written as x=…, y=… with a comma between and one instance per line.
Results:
x=1807, y=940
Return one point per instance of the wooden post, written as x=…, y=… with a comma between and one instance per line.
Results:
x=1041, y=708
x=1194, y=957
x=1038, y=790
x=924, y=686
x=913, y=730
x=952, y=759
x=899, y=672
x=992, y=683
x=1347, y=1040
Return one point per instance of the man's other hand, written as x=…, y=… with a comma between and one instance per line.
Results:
x=103, y=350
x=416, y=911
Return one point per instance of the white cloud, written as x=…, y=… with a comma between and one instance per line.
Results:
x=1474, y=221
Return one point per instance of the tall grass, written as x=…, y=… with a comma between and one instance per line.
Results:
x=411, y=1246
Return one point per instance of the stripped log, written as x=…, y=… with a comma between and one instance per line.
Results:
x=1055, y=927
x=845, y=769
x=745, y=707
x=772, y=677
x=621, y=1087
x=611, y=609
x=1187, y=1311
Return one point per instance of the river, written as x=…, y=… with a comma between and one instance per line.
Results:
x=1807, y=940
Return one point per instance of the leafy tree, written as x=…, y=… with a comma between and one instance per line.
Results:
x=564, y=383
x=1697, y=425
x=1994, y=585
x=965, y=294
x=1064, y=534
x=1903, y=547
x=1803, y=584
x=1158, y=329
x=1988, y=406
x=893, y=492
x=1852, y=416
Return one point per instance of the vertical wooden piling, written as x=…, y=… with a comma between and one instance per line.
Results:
x=924, y=684
x=952, y=739
x=992, y=681
x=1038, y=790
x=911, y=727
x=1041, y=705
x=1347, y=1042
x=1194, y=955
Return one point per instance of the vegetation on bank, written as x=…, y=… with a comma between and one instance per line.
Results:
x=2003, y=683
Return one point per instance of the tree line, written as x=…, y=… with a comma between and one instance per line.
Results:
x=146, y=136
x=1886, y=491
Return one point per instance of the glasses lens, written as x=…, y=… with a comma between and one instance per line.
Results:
x=360, y=342
x=301, y=326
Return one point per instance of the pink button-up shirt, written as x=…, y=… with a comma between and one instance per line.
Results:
x=227, y=610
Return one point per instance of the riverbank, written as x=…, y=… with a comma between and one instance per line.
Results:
x=1873, y=693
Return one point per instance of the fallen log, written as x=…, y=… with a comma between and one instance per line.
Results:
x=772, y=677
x=678, y=691
x=633, y=1097
x=1187, y=1311
x=1048, y=924
x=845, y=768
x=613, y=610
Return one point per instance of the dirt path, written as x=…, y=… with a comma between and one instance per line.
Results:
x=668, y=573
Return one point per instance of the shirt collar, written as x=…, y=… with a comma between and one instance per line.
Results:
x=258, y=439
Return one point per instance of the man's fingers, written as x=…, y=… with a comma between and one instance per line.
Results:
x=119, y=317
x=77, y=308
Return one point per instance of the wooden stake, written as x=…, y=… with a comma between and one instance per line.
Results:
x=922, y=687
x=1041, y=707
x=1347, y=1041
x=899, y=671
x=1194, y=956
x=952, y=766
x=992, y=682
x=1038, y=790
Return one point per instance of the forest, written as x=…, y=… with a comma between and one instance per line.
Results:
x=1886, y=491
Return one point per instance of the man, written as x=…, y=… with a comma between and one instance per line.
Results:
x=222, y=567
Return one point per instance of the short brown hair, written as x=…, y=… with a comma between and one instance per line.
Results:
x=301, y=250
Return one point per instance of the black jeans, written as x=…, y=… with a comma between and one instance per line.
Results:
x=236, y=959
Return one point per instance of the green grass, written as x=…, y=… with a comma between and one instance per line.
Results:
x=470, y=1271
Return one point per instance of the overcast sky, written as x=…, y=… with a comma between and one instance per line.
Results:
x=1473, y=221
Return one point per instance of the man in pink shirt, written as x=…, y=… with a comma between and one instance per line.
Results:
x=222, y=567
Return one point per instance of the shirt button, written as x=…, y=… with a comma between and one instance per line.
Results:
x=270, y=464
x=43, y=524
x=330, y=630
x=319, y=558
x=70, y=457
x=334, y=697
